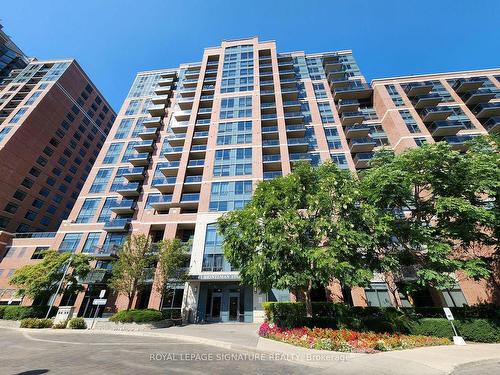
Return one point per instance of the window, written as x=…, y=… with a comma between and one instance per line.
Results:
x=236, y=107
x=124, y=128
x=91, y=242
x=420, y=141
x=101, y=180
x=233, y=162
x=393, y=93
x=27, y=183
x=105, y=214
x=4, y=222
x=70, y=242
x=129, y=151
x=454, y=297
x=133, y=107
x=114, y=240
x=19, y=195
x=88, y=210
x=113, y=153
x=23, y=228
x=4, y=132
x=410, y=122
x=234, y=133
x=340, y=160
x=15, y=119
x=378, y=295
x=11, y=208
x=230, y=195
x=30, y=215
x=38, y=253
x=33, y=97
x=34, y=172
x=325, y=111
x=213, y=257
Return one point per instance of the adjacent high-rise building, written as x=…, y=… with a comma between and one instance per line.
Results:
x=191, y=143
x=53, y=123
x=11, y=56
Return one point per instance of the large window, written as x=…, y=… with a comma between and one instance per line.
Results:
x=213, y=257
x=410, y=122
x=113, y=153
x=234, y=133
x=394, y=94
x=233, y=162
x=236, y=107
x=230, y=195
x=91, y=242
x=70, y=242
x=88, y=210
x=101, y=180
x=124, y=128
x=18, y=115
x=133, y=107
x=106, y=212
x=325, y=111
x=378, y=295
x=237, y=70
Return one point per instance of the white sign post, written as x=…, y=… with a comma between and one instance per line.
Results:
x=98, y=302
x=457, y=340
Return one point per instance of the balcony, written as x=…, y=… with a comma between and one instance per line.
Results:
x=294, y=117
x=272, y=162
x=192, y=73
x=362, y=144
x=458, y=142
x=173, y=153
x=356, y=91
x=435, y=113
x=164, y=90
x=339, y=81
x=462, y=85
x=187, y=92
x=266, y=93
x=196, y=166
x=182, y=115
x=485, y=110
x=206, y=98
x=292, y=104
x=268, y=117
x=169, y=74
x=166, y=82
x=190, y=82
x=208, y=88
x=492, y=125
x=139, y=160
x=199, y=150
x=445, y=127
x=296, y=157
x=362, y=160
x=134, y=174
x=357, y=131
x=331, y=63
x=160, y=99
x=269, y=129
x=148, y=133
x=185, y=103
x=153, y=122
x=176, y=139
x=193, y=183
x=179, y=126
x=347, y=105
x=109, y=251
x=267, y=105
x=125, y=206
x=157, y=110
x=297, y=144
x=128, y=190
x=271, y=144
x=296, y=130
x=117, y=225
x=200, y=134
x=161, y=202
x=164, y=184
x=190, y=200
x=478, y=96
x=418, y=88
x=170, y=169
x=427, y=100
x=145, y=146
x=272, y=174
x=350, y=118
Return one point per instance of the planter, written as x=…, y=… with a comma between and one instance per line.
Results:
x=112, y=326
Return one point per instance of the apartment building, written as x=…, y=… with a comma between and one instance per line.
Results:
x=11, y=56
x=53, y=123
x=191, y=143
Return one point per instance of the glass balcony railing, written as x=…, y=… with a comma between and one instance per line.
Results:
x=295, y=127
x=190, y=197
x=172, y=164
x=164, y=198
x=269, y=129
x=269, y=116
x=193, y=179
x=272, y=174
x=268, y=105
x=124, y=203
x=196, y=163
x=269, y=158
x=293, y=114
x=270, y=142
x=300, y=156
x=173, y=150
x=157, y=181
x=297, y=141
x=131, y=186
x=198, y=148
x=200, y=134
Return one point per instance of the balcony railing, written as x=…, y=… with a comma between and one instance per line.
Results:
x=196, y=163
x=193, y=179
x=190, y=197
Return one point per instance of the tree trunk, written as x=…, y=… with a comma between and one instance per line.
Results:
x=307, y=295
x=129, y=305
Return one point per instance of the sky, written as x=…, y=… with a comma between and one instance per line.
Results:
x=114, y=39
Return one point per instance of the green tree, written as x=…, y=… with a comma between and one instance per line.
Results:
x=440, y=203
x=42, y=279
x=172, y=255
x=132, y=269
x=302, y=230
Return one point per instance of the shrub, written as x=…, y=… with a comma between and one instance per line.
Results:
x=137, y=316
x=77, y=323
x=478, y=330
x=2, y=309
x=171, y=314
x=61, y=325
x=23, y=312
x=36, y=323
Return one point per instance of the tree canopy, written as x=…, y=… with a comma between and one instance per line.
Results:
x=302, y=230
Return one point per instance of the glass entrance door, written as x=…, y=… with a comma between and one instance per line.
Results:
x=234, y=305
x=215, y=306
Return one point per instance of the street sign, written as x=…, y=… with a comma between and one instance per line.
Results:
x=447, y=312
x=100, y=301
x=103, y=292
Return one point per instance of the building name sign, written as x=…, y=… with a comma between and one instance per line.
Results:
x=215, y=277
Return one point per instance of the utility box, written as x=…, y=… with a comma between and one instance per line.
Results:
x=64, y=313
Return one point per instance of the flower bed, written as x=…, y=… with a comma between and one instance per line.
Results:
x=345, y=340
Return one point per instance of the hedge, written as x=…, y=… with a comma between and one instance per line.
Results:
x=476, y=323
x=77, y=323
x=137, y=316
x=16, y=312
x=36, y=323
